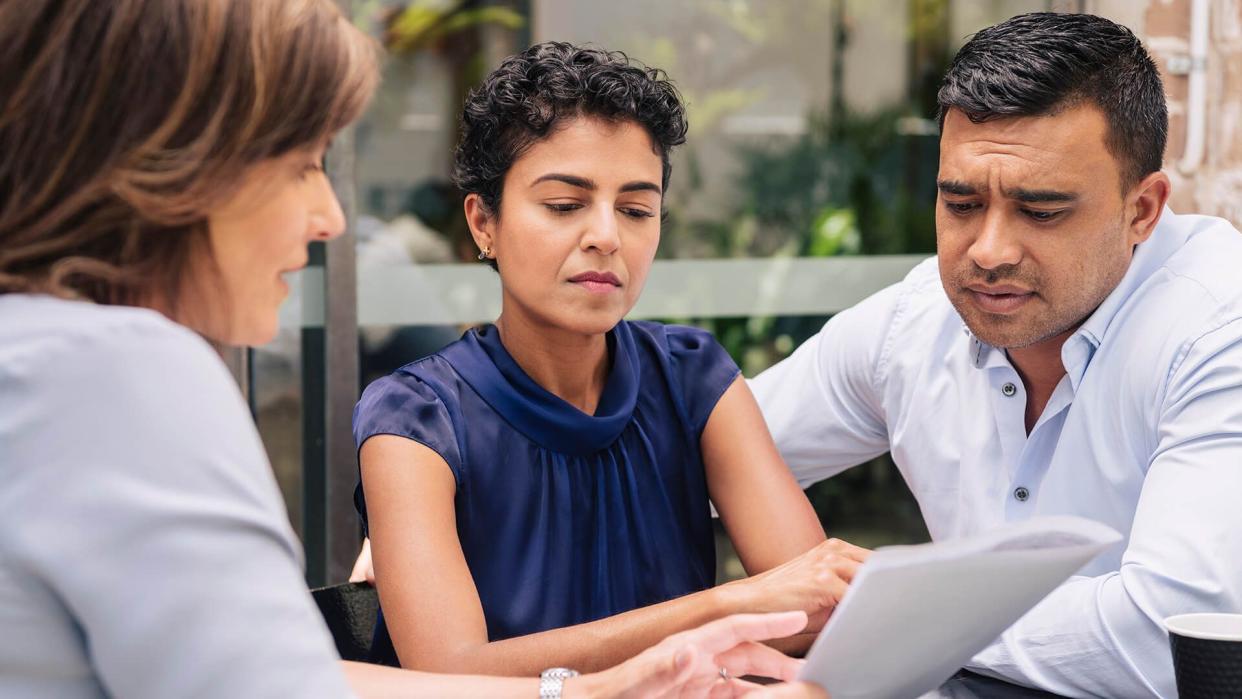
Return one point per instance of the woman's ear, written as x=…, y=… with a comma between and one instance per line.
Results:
x=482, y=223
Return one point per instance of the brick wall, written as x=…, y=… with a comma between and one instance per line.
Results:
x=1215, y=187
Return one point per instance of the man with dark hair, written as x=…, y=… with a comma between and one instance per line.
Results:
x=1075, y=348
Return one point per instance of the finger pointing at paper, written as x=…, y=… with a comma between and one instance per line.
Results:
x=813, y=582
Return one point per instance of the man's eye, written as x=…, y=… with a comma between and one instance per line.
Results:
x=1041, y=216
x=959, y=208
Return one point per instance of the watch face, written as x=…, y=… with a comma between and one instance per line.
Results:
x=559, y=673
x=550, y=681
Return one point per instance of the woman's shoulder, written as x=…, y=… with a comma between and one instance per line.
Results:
x=42, y=337
x=694, y=366
x=417, y=401
x=120, y=394
x=681, y=343
x=424, y=380
x=670, y=336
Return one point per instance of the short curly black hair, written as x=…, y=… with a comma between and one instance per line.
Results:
x=522, y=101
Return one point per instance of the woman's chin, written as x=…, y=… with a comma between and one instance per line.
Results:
x=254, y=334
x=592, y=323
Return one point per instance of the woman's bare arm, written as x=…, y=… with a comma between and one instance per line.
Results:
x=432, y=607
x=684, y=665
x=768, y=517
x=761, y=506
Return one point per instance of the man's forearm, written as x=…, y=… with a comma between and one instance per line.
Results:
x=1088, y=638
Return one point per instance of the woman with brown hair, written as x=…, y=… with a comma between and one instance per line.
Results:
x=160, y=170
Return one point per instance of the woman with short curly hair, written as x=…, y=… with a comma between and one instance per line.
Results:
x=556, y=470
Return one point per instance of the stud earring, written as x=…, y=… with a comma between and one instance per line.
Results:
x=484, y=254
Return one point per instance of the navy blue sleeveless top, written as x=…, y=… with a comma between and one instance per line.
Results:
x=565, y=517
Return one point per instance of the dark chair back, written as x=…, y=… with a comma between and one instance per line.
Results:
x=349, y=609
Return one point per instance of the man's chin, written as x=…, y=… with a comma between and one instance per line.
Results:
x=1002, y=332
x=1009, y=333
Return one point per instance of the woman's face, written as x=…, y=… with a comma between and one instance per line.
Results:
x=259, y=235
x=578, y=227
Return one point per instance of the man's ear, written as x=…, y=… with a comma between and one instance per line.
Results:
x=482, y=222
x=1144, y=204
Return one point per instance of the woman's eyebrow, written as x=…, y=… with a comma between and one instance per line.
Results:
x=591, y=186
x=571, y=180
x=641, y=186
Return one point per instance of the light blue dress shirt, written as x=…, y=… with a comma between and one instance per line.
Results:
x=1143, y=433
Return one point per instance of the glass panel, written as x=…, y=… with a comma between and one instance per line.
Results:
x=277, y=400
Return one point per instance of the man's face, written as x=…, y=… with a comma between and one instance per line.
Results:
x=1030, y=223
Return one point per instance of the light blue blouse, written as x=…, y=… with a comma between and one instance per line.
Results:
x=144, y=547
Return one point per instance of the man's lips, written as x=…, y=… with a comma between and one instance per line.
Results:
x=1001, y=298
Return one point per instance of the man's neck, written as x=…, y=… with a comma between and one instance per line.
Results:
x=1040, y=367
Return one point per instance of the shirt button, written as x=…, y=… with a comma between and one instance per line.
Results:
x=1009, y=389
x=1021, y=494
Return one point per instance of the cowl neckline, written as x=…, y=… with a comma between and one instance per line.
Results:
x=483, y=362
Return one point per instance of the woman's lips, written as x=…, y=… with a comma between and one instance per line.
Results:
x=597, y=282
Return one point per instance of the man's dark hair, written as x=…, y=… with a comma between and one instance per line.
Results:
x=524, y=100
x=1041, y=63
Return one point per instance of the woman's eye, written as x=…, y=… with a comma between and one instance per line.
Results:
x=563, y=208
x=637, y=213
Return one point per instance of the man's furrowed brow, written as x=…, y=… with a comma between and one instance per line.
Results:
x=1040, y=196
x=956, y=187
x=1022, y=194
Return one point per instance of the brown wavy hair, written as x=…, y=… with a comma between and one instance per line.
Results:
x=123, y=122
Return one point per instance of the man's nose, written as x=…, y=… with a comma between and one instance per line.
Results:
x=995, y=246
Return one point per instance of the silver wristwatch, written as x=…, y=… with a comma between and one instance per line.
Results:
x=552, y=680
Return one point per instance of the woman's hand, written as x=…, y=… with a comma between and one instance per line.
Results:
x=364, y=570
x=814, y=582
x=704, y=662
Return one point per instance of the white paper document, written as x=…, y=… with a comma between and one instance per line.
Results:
x=914, y=615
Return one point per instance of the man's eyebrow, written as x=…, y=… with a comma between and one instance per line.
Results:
x=571, y=180
x=641, y=186
x=1040, y=196
x=961, y=189
x=1027, y=196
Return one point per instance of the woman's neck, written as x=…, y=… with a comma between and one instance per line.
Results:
x=572, y=366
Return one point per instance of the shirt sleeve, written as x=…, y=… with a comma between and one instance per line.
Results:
x=401, y=404
x=704, y=368
x=145, y=504
x=1104, y=636
x=823, y=403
